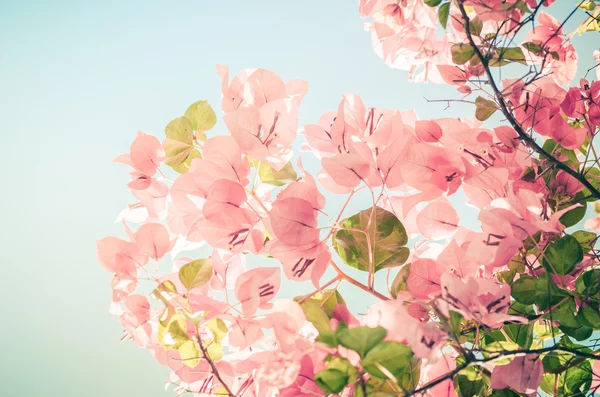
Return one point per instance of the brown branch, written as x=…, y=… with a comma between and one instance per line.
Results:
x=523, y=136
x=469, y=361
x=213, y=367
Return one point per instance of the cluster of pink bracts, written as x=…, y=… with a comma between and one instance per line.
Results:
x=413, y=165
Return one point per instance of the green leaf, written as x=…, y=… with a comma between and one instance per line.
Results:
x=180, y=130
x=548, y=294
x=589, y=316
x=331, y=381
x=533, y=48
x=578, y=379
x=327, y=299
x=563, y=255
x=471, y=382
x=519, y=333
x=587, y=240
x=387, y=237
x=588, y=283
x=202, y=117
x=579, y=333
x=196, y=273
x=564, y=313
x=399, y=283
x=176, y=334
x=179, y=155
x=409, y=379
x=587, y=5
x=484, y=108
x=454, y=321
x=512, y=54
x=462, y=53
x=328, y=338
x=361, y=339
x=433, y=3
x=268, y=175
x=189, y=353
x=572, y=217
x=443, y=13
x=316, y=315
x=524, y=290
x=475, y=26
x=392, y=356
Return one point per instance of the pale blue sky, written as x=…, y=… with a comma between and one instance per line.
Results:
x=77, y=80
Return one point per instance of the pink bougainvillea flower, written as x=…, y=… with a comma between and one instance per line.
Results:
x=153, y=240
x=438, y=219
x=523, y=374
x=120, y=256
x=261, y=113
x=257, y=287
x=477, y=299
x=424, y=278
x=145, y=155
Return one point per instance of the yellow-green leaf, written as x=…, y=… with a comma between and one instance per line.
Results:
x=461, y=53
x=268, y=175
x=202, y=116
x=190, y=353
x=180, y=130
x=179, y=155
x=196, y=273
x=173, y=335
x=218, y=328
x=484, y=108
x=384, y=234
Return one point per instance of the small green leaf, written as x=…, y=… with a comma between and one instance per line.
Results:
x=393, y=356
x=196, y=273
x=589, y=316
x=399, y=283
x=563, y=255
x=587, y=5
x=462, y=53
x=587, y=240
x=386, y=236
x=471, y=382
x=524, y=290
x=580, y=333
x=176, y=334
x=361, y=339
x=548, y=294
x=433, y=3
x=189, y=353
x=316, y=315
x=512, y=54
x=484, y=108
x=533, y=48
x=331, y=381
x=564, y=313
x=202, y=118
x=572, y=217
x=268, y=175
x=588, y=283
x=328, y=338
x=180, y=130
x=475, y=26
x=443, y=13
x=179, y=155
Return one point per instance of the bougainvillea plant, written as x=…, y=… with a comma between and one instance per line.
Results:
x=225, y=225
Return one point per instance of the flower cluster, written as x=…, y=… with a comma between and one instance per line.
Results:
x=213, y=243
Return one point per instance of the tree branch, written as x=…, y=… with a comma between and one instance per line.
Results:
x=523, y=136
x=213, y=367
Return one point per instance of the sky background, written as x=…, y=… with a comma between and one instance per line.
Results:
x=78, y=79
